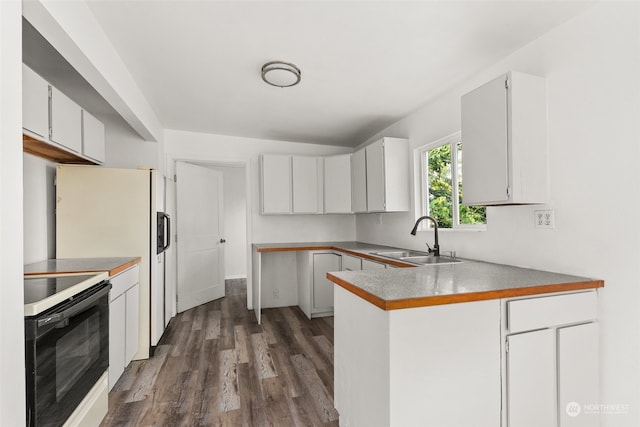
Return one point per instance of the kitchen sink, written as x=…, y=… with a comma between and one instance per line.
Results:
x=401, y=254
x=417, y=257
x=430, y=259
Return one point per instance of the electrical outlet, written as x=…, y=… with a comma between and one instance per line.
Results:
x=276, y=294
x=544, y=219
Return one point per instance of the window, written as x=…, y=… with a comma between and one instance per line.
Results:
x=441, y=185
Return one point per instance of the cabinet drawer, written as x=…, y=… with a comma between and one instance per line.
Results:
x=536, y=313
x=120, y=283
x=351, y=263
x=372, y=265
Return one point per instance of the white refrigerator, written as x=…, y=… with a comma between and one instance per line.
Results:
x=105, y=212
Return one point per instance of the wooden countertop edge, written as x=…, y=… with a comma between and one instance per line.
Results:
x=337, y=249
x=295, y=248
x=377, y=301
x=119, y=269
x=467, y=297
x=125, y=266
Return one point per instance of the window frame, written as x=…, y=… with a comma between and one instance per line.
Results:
x=422, y=184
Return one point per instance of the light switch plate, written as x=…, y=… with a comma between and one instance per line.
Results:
x=544, y=219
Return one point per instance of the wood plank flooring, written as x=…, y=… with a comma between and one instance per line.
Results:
x=215, y=366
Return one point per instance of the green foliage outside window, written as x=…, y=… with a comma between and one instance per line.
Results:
x=440, y=183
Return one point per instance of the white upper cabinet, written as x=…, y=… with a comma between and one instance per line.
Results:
x=373, y=179
x=35, y=103
x=337, y=184
x=359, y=181
x=387, y=172
x=306, y=184
x=276, y=183
x=93, y=142
x=57, y=128
x=504, y=140
x=66, y=121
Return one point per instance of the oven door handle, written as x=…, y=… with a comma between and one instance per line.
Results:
x=77, y=308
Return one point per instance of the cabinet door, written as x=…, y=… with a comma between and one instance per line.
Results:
x=276, y=184
x=351, y=263
x=337, y=184
x=66, y=121
x=375, y=177
x=531, y=379
x=372, y=265
x=305, y=184
x=93, y=143
x=132, y=322
x=35, y=103
x=578, y=372
x=117, y=316
x=359, y=180
x=395, y=152
x=484, y=141
x=322, y=287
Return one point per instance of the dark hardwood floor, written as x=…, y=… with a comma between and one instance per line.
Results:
x=215, y=366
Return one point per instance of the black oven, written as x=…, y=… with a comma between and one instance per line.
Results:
x=67, y=351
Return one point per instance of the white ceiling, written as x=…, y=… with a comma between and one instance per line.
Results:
x=365, y=64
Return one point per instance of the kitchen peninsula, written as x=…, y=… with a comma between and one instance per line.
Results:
x=470, y=343
x=455, y=344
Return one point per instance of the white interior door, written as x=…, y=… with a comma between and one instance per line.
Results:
x=200, y=235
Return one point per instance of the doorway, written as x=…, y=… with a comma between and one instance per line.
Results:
x=233, y=216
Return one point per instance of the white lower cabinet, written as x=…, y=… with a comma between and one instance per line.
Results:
x=132, y=323
x=477, y=371
x=117, y=345
x=531, y=379
x=372, y=265
x=351, y=263
x=123, y=322
x=552, y=368
x=315, y=291
x=578, y=380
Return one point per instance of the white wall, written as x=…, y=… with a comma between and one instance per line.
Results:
x=125, y=148
x=12, y=384
x=592, y=66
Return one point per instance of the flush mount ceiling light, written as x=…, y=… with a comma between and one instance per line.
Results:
x=281, y=74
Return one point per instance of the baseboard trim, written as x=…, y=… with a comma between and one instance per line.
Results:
x=239, y=276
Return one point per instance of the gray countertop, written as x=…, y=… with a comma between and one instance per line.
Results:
x=470, y=280
x=112, y=265
x=450, y=283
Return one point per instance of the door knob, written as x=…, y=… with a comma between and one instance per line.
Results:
x=223, y=241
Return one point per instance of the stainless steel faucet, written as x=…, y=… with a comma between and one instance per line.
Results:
x=436, y=247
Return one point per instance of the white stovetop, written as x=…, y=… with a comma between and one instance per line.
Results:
x=48, y=301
